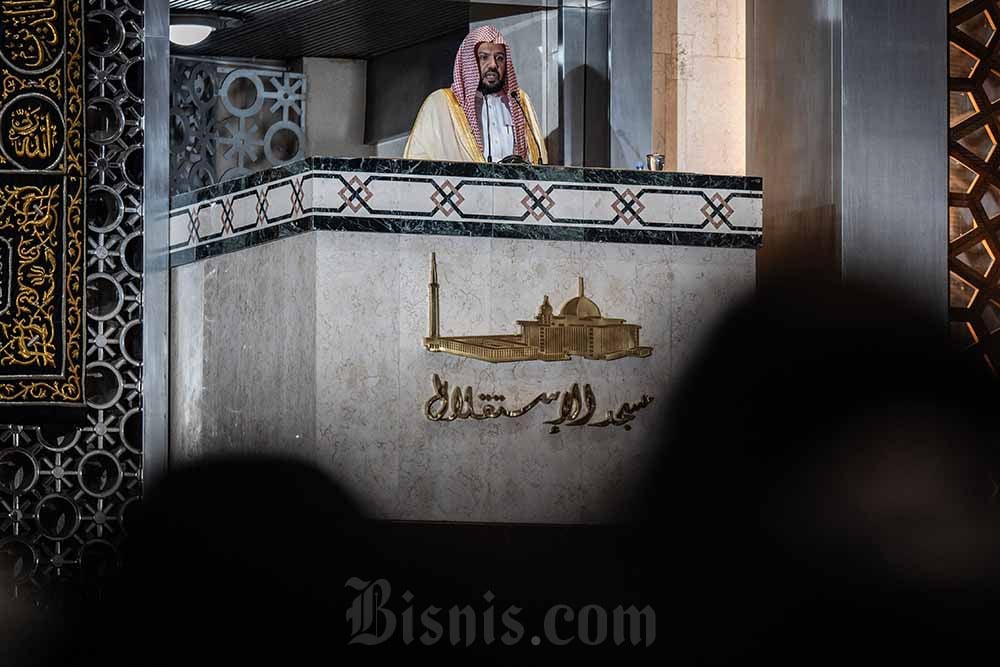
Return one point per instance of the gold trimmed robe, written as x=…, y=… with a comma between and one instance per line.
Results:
x=442, y=132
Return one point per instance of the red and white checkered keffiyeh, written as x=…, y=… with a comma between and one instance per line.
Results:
x=467, y=80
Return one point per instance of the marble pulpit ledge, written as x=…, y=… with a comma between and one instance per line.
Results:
x=307, y=320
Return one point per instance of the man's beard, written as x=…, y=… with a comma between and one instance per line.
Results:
x=487, y=89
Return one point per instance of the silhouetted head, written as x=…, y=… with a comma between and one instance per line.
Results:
x=827, y=479
x=243, y=559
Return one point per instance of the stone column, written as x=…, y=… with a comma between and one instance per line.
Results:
x=337, y=103
x=699, y=85
x=848, y=122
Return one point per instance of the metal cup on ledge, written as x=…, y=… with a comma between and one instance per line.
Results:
x=655, y=162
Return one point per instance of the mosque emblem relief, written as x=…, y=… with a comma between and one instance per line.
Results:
x=579, y=330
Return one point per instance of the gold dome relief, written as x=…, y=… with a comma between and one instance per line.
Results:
x=580, y=307
x=580, y=330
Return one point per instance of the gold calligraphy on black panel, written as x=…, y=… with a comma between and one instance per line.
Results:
x=73, y=93
x=41, y=330
x=32, y=33
x=28, y=335
x=42, y=190
x=32, y=132
x=6, y=279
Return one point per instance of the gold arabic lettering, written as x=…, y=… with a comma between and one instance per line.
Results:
x=31, y=29
x=39, y=329
x=449, y=405
x=70, y=388
x=459, y=405
x=29, y=338
x=33, y=134
x=4, y=279
x=573, y=403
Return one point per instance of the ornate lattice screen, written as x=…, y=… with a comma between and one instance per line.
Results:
x=974, y=200
x=229, y=119
x=66, y=491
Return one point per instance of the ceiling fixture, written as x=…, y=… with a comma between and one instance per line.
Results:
x=190, y=28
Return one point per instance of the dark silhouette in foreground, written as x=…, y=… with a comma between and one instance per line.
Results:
x=825, y=492
x=828, y=489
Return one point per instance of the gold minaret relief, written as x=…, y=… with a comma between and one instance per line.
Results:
x=579, y=330
x=434, y=305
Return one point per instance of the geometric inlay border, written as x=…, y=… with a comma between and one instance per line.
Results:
x=444, y=202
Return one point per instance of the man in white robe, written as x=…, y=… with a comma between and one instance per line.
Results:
x=484, y=116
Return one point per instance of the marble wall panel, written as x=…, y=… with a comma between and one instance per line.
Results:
x=180, y=228
x=732, y=21
x=715, y=101
x=244, y=210
x=210, y=220
x=746, y=208
x=329, y=198
x=597, y=204
x=705, y=283
x=389, y=196
x=509, y=198
x=362, y=418
x=441, y=473
x=662, y=207
x=357, y=362
x=187, y=384
x=279, y=200
x=474, y=200
x=258, y=349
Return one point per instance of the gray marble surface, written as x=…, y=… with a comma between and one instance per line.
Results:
x=243, y=352
x=312, y=346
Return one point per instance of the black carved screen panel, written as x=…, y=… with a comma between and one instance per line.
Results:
x=67, y=489
x=41, y=210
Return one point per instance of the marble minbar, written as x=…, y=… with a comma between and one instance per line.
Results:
x=518, y=376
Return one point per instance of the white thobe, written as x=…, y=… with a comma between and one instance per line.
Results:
x=498, y=128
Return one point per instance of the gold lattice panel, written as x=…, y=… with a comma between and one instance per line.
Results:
x=974, y=183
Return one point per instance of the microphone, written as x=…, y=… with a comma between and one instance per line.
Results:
x=527, y=122
x=489, y=129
